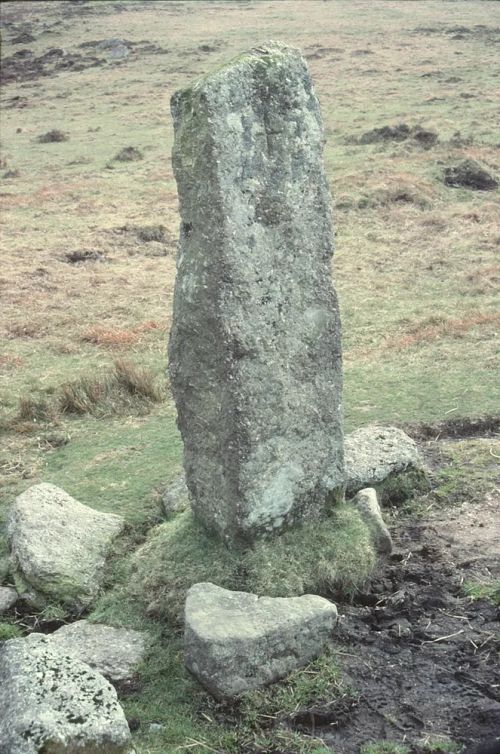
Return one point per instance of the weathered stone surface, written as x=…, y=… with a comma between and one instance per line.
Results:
x=367, y=504
x=376, y=455
x=175, y=496
x=235, y=641
x=58, y=546
x=52, y=703
x=113, y=652
x=8, y=598
x=255, y=360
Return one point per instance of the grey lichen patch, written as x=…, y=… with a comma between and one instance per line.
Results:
x=254, y=353
x=53, y=703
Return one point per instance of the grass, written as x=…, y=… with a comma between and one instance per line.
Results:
x=384, y=747
x=469, y=471
x=337, y=556
x=439, y=745
x=415, y=268
x=123, y=389
x=9, y=631
x=483, y=591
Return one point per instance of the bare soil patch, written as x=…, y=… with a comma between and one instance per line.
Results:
x=422, y=658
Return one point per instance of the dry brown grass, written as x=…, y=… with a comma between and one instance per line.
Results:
x=117, y=338
x=113, y=338
x=406, y=245
x=10, y=361
x=421, y=333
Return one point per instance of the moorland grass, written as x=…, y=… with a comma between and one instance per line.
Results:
x=334, y=556
x=483, y=591
x=413, y=259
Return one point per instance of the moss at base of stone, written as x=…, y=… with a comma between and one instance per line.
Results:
x=319, y=557
x=398, y=488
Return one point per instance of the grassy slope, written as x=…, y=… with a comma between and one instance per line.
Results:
x=416, y=278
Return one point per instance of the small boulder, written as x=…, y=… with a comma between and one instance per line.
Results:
x=53, y=703
x=385, y=458
x=113, y=652
x=115, y=48
x=469, y=174
x=175, y=496
x=367, y=504
x=59, y=546
x=236, y=642
x=8, y=598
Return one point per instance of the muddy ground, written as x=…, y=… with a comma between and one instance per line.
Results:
x=422, y=658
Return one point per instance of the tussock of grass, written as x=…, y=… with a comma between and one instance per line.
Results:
x=33, y=409
x=319, y=558
x=125, y=388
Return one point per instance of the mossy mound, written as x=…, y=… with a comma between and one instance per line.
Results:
x=399, y=488
x=320, y=557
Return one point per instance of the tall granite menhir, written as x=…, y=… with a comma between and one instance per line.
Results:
x=255, y=359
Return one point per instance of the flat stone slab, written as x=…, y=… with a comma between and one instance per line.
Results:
x=367, y=503
x=52, y=703
x=236, y=641
x=255, y=352
x=113, y=652
x=58, y=545
x=375, y=454
x=8, y=598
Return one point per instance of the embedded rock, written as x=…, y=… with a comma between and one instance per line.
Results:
x=367, y=504
x=385, y=458
x=175, y=496
x=8, y=598
x=59, y=546
x=52, y=703
x=255, y=355
x=235, y=641
x=113, y=652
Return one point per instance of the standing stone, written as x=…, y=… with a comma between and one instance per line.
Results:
x=255, y=359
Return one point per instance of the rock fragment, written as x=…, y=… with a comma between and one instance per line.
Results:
x=113, y=652
x=367, y=504
x=175, y=496
x=58, y=545
x=385, y=458
x=8, y=598
x=236, y=641
x=52, y=703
